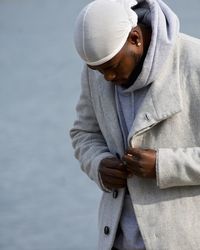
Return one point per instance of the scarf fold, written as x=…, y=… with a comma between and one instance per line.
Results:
x=165, y=27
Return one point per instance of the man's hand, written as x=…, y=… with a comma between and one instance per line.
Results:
x=113, y=173
x=141, y=162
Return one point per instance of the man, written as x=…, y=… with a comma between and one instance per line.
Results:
x=137, y=129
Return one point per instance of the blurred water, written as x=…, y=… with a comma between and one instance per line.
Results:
x=46, y=202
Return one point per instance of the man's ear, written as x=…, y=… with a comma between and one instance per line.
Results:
x=135, y=36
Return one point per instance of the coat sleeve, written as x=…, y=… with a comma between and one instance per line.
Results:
x=178, y=167
x=88, y=142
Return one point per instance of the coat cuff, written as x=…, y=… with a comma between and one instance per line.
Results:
x=164, y=168
x=178, y=167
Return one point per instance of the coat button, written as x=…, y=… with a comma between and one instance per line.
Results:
x=106, y=230
x=147, y=117
x=115, y=194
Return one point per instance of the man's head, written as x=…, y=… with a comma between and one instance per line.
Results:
x=121, y=68
x=108, y=38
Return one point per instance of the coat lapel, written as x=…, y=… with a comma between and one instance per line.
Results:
x=108, y=106
x=162, y=101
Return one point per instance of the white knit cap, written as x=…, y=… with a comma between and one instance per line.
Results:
x=102, y=29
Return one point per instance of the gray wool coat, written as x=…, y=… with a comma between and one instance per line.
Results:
x=168, y=208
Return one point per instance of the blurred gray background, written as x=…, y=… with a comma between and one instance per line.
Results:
x=46, y=202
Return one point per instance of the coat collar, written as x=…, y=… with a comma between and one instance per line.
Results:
x=162, y=101
x=108, y=106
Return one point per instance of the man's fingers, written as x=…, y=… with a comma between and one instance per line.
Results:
x=113, y=173
x=131, y=160
x=134, y=164
x=136, y=152
x=113, y=182
x=113, y=163
x=141, y=162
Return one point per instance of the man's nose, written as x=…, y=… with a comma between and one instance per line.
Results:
x=109, y=76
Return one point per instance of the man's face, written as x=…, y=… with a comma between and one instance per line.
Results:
x=120, y=69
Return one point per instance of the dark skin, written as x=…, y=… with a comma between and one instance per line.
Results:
x=136, y=161
x=113, y=173
x=123, y=69
x=140, y=162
